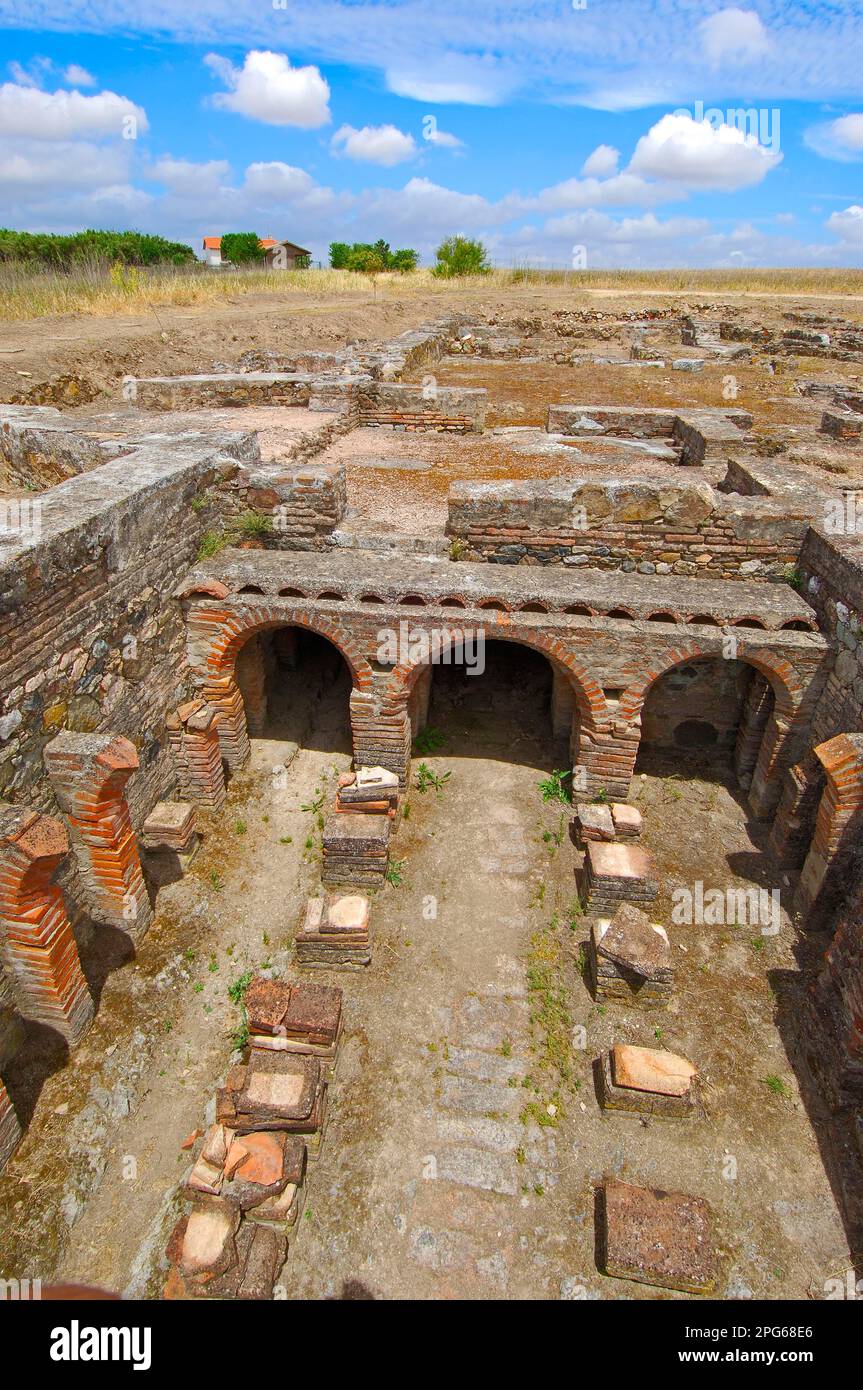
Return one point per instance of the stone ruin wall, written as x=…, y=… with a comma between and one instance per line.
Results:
x=650, y=527
x=96, y=592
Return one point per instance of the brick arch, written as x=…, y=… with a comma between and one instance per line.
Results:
x=239, y=626
x=588, y=693
x=783, y=679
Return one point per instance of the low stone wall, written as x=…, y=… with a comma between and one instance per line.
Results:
x=216, y=391
x=89, y=638
x=39, y=450
x=684, y=528
x=831, y=580
x=448, y=409
x=701, y=435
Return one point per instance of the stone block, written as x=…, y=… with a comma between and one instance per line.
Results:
x=615, y=873
x=627, y=820
x=593, y=822
x=656, y=1237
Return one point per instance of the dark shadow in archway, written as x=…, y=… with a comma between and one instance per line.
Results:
x=43, y=1051
x=504, y=711
x=296, y=687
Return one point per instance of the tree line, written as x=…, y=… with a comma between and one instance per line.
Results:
x=457, y=255
x=79, y=248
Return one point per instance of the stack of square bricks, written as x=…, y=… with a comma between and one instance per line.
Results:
x=171, y=827
x=355, y=848
x=193, y=738
x=597, y=821
x=247, y=1183
x=629, y=958
x=616, y=873
x=299, y=1018
x=246, y=1192
x=281, y=1091
x=369, y=791
x=335, y=933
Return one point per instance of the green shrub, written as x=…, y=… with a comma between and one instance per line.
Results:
x=80, y=248
x=458, y=255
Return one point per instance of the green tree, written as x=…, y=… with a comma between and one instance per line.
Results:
x=371, y=258
x=91, y=247
x=242, y=248
x=459, y=255
x=339, y=253
x=366, y=260
x=404, y=260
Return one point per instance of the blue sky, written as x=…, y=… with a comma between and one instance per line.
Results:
x=599, y=132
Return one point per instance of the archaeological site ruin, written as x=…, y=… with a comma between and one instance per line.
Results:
x=430, y=808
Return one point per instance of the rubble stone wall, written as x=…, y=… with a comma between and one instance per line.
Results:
x=90, y=640
x=685, y=528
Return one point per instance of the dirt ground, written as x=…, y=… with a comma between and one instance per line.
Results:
x=465, y=1141
x=72, y=359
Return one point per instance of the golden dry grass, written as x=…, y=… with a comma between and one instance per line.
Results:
x=27, y=294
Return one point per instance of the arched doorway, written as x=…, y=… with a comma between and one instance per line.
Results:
x=706, y=716
x=296, y=688
x=514, y=703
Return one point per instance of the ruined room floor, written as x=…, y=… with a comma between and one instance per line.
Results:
x=435, y=1181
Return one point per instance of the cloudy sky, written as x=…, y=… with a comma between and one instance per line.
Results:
x=562, y=132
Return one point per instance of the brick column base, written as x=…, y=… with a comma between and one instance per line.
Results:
x=89, y=773
x=224, y=694
x=40, y=947
x=766, y=786
x=840, y=809
x=605, y=759
x=193, y=738
x=753, y=722
x=381, y=735
x=792, y=828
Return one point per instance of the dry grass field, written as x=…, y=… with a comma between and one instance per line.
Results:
x=28, y=294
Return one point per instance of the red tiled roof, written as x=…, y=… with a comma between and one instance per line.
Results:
x=214, y=243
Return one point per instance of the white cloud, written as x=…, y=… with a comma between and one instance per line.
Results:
x=444, y=139
x=449, y=78
x=268, y=89
x=602, y=162
x=621, y=190
x=734, y=34
x=34, y=167
x=841, y=139
x=614, y=54
x=184, y=177
x=785, y=218
x=628, y=231
x=848, y=225
x=77, y=76
x=381, y=144
x=700, y=155
x=425, y=209
x=28, y=113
